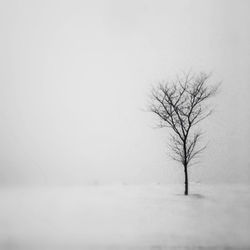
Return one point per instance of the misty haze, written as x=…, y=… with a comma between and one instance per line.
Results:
x=83, y=164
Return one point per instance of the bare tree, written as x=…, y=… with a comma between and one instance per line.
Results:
x=181, y=105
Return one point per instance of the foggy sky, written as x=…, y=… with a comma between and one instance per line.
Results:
x=75, y=78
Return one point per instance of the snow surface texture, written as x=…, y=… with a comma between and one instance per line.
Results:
x=125, y=217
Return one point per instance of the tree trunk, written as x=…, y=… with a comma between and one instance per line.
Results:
x=186, y=180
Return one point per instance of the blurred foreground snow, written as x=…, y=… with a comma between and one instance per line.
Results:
x=125, y=217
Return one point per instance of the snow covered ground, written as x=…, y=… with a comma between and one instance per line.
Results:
x=125, y=217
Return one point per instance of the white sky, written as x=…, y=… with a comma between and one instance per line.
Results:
x=75, y=77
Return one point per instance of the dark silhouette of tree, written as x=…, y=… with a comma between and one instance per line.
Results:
x=180, y=105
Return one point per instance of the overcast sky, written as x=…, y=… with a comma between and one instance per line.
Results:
x=75, y=78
